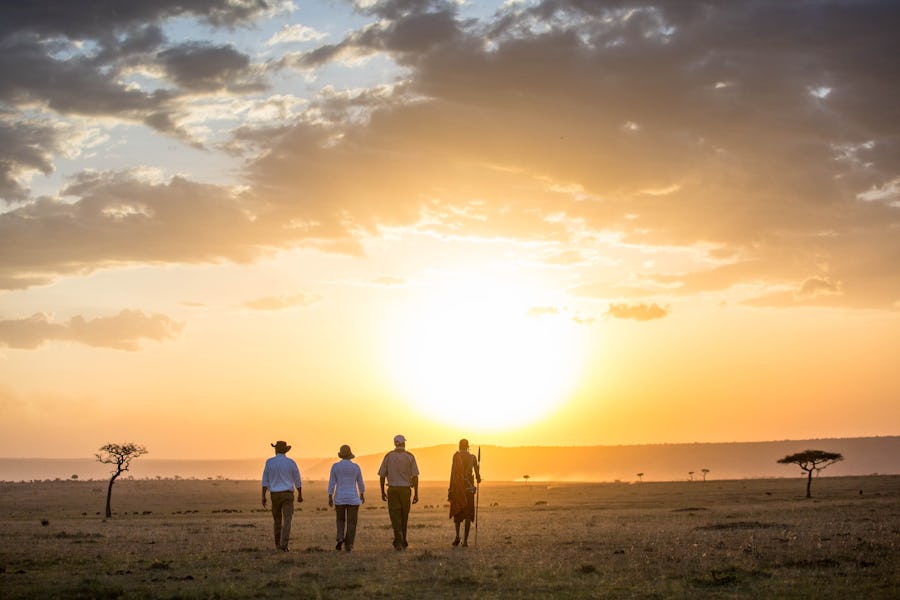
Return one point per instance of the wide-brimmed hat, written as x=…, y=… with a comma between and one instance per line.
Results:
x=399, y=440
x=281, y=447
x=345, y=452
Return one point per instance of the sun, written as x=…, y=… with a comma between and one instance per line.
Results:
x=484, y=354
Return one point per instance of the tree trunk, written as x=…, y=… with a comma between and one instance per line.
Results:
x=808, y=483
x=109, y=495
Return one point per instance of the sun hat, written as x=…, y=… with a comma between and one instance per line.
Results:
x=281, y=447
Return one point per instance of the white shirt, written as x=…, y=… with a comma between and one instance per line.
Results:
x=281, y=474
x=345, y=479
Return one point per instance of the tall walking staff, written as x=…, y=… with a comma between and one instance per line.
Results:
x=477, y=498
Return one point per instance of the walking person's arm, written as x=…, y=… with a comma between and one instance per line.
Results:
x=360, y=485
x=415, y=484
x=298, y=483
x=264, y=490
x=383, y=494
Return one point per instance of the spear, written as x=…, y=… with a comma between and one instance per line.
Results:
x=477, y=497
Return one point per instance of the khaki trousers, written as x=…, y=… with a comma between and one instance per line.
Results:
x=399, y=503
x=282, y=513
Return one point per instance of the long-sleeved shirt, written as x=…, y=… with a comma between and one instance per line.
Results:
x=281, y=474
x=346, y=482
x=398, y=468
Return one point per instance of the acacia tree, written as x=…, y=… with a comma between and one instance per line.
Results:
x=640, y=476
x=705, y=473
x=811, y=460
x=121, y=456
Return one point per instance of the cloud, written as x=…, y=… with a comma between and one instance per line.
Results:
x=540, y=311
x=281, y=302
x=637, y=312
x=121, y=332
x=202, y=67
x=295, y=33
x=662, y=126
x=818, y=286
x=25, y=146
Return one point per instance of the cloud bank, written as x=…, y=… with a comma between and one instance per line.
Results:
x=763, y=135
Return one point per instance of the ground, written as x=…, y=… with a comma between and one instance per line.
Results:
x=210, y=539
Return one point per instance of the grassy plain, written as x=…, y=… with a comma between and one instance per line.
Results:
x=210, y=539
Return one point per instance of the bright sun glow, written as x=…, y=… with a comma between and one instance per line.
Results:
x=483, y=355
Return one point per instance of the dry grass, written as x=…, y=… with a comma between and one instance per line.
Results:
x=208, y=539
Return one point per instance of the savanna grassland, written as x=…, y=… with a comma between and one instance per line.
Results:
x=210, y=539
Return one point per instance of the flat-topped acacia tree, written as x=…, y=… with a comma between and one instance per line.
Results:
x=811, y=460
x=121, y=456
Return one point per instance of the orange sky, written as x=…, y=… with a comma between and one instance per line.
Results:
x=527, y=223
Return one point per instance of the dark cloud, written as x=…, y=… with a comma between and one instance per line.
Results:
x=750, y=128
x=637, y=312
x=201, y=67
x=117, y=219
x=24, y=146
x=96, y=19
x=407, y=30
x=73, y=58
x=121, y=332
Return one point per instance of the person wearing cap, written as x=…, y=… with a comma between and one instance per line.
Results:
x=464, y=474
x=346, y=491
x=401, y=472
x=280, y=476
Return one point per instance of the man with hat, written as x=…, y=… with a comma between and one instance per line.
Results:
x=280, y=477
x=401, y=472
x=346, y=491
x=464, y=474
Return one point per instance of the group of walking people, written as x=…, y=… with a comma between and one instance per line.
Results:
x=346, y=492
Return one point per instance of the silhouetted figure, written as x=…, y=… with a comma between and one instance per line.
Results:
x=280, y=476
x=401, y=472
x=464, y=474
x=346, y=491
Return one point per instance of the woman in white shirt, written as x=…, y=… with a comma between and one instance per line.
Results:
x=346, y=492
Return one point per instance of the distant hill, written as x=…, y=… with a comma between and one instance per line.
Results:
x=659, y=462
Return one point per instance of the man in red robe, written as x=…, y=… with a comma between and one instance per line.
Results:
x=464, y=474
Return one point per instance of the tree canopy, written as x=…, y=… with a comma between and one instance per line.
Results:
x=811, y=460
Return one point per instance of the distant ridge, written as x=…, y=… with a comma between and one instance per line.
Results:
x=658, y=462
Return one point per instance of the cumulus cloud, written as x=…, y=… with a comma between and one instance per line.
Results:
x=637, y=312
x=124, y=331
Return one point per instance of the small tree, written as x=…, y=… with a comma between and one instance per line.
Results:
x=811, y=460
x=640, y=476
x=691, y=475
x=704, y=471
x=121, y=456
x=526, y=478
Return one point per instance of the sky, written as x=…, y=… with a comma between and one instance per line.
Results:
x=533, y=222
